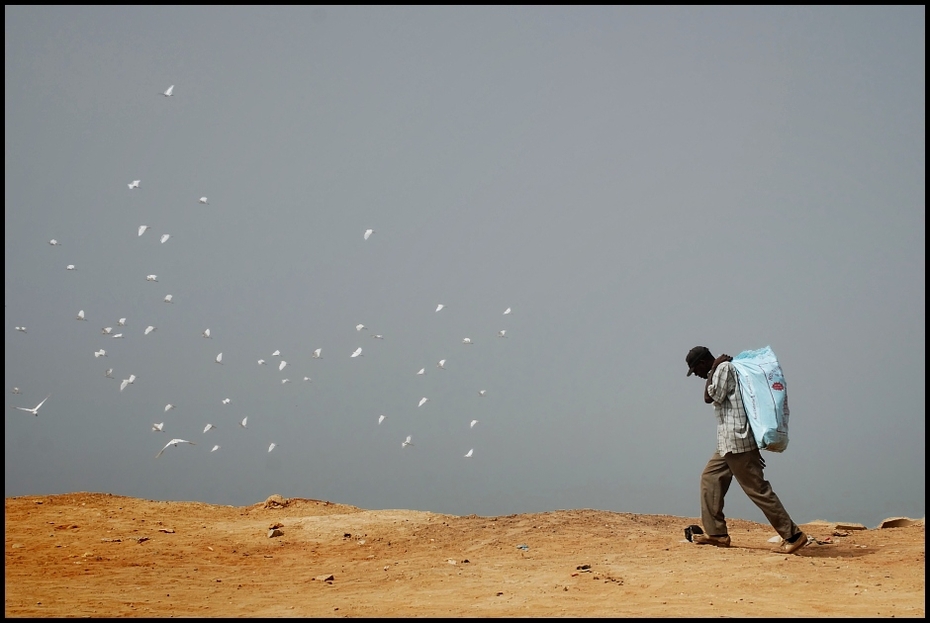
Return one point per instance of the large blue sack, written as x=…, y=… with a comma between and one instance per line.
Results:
x=765, y=397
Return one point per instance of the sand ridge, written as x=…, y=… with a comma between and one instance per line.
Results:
x=97, y=554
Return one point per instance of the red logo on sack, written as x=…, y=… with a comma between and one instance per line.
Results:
x=777, y=386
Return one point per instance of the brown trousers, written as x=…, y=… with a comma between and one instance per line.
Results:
x=747, y=467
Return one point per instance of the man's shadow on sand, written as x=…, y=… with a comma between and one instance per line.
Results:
x=816, y=551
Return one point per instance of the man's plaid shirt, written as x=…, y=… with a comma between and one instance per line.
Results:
x=733, y=432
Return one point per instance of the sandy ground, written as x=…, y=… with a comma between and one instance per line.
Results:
x=93, y=554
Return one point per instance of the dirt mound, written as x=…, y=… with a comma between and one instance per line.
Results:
x=108, y=555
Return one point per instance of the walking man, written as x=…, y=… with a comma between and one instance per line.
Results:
x=737, y=455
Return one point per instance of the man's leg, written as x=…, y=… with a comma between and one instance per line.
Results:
x=715, y=480
x=747, y=467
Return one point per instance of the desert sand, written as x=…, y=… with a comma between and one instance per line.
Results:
x=102, y=555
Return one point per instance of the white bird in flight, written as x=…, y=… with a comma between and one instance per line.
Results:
x=80, y=315
x=378, y=337
x=215, y=448
x=152, y=278
x=421, y=372
x=142, y=229
x=206, y=333
x=317, y=353
x=159, y=427
x=100, y=353
x=283, y=381
x=506, y=311
x=109, y=373
x=368, y=233
x=203, y=200
x=174, y=442
x=116, y=335
x=21, y=329
x=54, y=242
x=122, y=322
x=149, y=329
x=502, y=333
x=423, y=401
x=271, y=447
x=307, y=378
x=281, y=365
x=473, y=422
x=164, y=238
x=468, y=454
x=466, y=340
x=168, y=298
x=482, y=392
x=34, y=410
x=442, y=364
x=129, y=381
x=226, y=401
x=359, y=327
x=134, y=184
x=16, y=390
x=261, y=362
x=208, y=427
x=357, y=352
x=168, y=93
x=219, y=359
x=407, y=442
x=169, y=407
x=380, y=419
x=69, y=267
x=242, y=423
x=106, y=330
x=440, y=306
x=276, y=353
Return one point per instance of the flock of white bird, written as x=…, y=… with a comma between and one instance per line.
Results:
x=169, y=298
x=441, y=364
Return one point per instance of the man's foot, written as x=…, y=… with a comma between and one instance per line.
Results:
x=720, y=540
x=790, y=547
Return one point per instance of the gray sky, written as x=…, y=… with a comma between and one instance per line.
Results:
x=632, y=182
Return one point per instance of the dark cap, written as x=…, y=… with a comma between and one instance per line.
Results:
x=695, y=356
